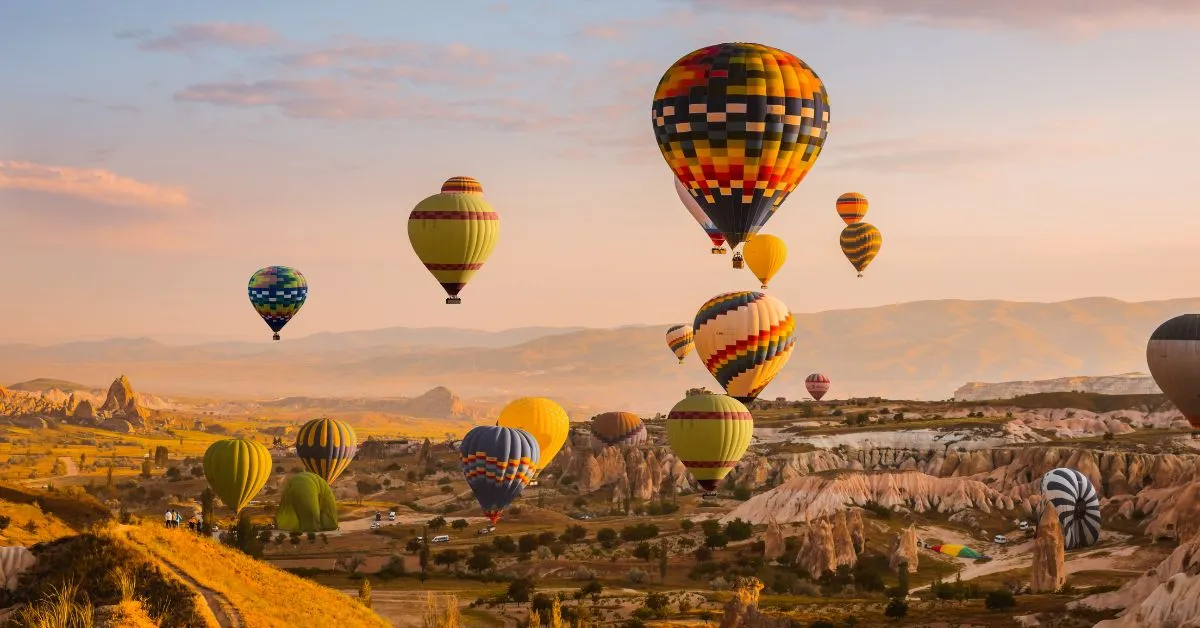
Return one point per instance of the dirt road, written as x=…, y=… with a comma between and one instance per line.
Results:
x=222, y=609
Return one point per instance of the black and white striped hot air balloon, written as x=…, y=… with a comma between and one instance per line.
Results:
x=1077, y=503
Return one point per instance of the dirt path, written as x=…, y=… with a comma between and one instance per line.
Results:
x=227, y=615
x=68, y=464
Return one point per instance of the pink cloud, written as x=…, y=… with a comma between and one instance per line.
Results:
x=91, y=184
x=1084, y=16
x=625, y=27
x=189, y=36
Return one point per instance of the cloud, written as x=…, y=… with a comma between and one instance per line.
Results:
x=625, y=27
x=190, y=36
x=91, y=184
x=1085, y=16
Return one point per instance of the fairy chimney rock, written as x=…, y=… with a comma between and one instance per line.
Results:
x=1048, y=573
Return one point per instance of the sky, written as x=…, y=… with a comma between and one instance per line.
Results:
x=154, y=154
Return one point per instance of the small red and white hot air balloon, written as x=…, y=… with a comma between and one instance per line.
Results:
x=817, y=385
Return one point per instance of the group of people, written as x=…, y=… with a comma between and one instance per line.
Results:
x=172, y=519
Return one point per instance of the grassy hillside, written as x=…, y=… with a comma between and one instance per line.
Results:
x=44, y=384
x=33, y=516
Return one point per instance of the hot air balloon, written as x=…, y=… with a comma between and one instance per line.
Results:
x=1173, y=355
x=307, y=505
x=852, y=207
x=693, y=208
x=1072, y=495
x=497, y=463
x=861, y=242
x=709, y=434
x=14, y=561
x=740, y=124
x=744, y=339
x=679, y=339
x=765, y=254
x=816, y=385
x=545, y=420
x=619, y=428
x=453, y=233
x=958, y=551
x=326, y=447
x=277, y=294
x=237, y=469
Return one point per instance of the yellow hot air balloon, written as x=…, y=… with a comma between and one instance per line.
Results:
x=709, y=434
x=453, y=233
x=744, y=339
x=237, y=469
x=765, y=255
x=861, y=242
x=542, y=418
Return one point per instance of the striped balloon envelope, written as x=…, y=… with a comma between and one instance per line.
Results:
x=711, y=230
x=498, y=464
x=326, y=447
x=744, y=339
x=14, y=561
x=852, y=207
x=1075, y=500
x=1173, y=355
x=816, y=385
x=860, y=243
x=619, y=428
x=709, y=434
x=680, y=340
x=453, y=233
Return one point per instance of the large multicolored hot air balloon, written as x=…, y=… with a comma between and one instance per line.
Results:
x=237, y=469
x=1173, y=355
x=852, y=207
x=619, y=428
x=861, y=242
x=816, y=385
x=307, y=505
x=277, y=294
x=958, y=551
x=707, y=225
x=545, y=420
x=740, y=125
x=498, y=463
x=1074, y=498
x=765, y=255
x=453, y=233
x=744, y=339
x=709, y=434
x=679, y=339
x=326, y=447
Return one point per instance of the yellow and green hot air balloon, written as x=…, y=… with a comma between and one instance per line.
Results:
x=326, y=447
x=852, y=207
x=453, y=233
x=545, y=420
x=957, y=551
x=237, y=469
x=861, y=242
x=709, y=434
x=765, y=255
x=307, y=505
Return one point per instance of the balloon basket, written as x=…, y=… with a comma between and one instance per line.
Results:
x=708, y=494
x=275, y=337
x=860, y=274
x=764, y=286
x=453, y=301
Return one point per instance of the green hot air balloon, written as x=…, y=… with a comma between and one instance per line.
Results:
x=237, y=469
x=307, y=505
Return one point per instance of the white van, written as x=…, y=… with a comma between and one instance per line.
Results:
x=441, y=538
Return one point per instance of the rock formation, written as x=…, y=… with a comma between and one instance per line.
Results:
x=85, y=411
x=122, y=402
x=1125, y=384
x=773, y=542
x=1167, y=595
x=4, y=394
x=825, y=545
x=1048, y=572
x=741, y=611
x=904, y=550
x=113, y=424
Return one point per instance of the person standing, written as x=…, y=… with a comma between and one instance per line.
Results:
x=168, y=519
x=178, y=518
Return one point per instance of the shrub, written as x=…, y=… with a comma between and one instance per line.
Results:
x=636, y=576
x=896, y=609
x=999, y=600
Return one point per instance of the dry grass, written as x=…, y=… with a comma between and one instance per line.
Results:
x=265, y=596
x=127, y=614
x=59, y=608
x=441, y=611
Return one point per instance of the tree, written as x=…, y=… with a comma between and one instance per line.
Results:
x=716, y=540
x=207, y=499
x=459, y=524
x=702, y=554
x=593, y=589
x=738, y=530
x=160, y=456
x=527, y=543
x=364, y=592
x=642, y=551
x=245, y=538
x=147, y=468
x=480, y=562
x=437, y=523
x=999, y=600
x=558, y=549
x=896, y=609
x=520, y=590
x=173, y=473
x=447, y=558
x=662, y=561
x=423, y=557
x=902, y=581
x=108, y=480
x=607, y=537
x=686, y=525
x=574, y=534
x=82, y=460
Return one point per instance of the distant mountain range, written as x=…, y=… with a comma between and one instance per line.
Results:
x=920, y=350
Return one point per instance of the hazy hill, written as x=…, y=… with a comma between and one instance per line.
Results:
x=924, y=349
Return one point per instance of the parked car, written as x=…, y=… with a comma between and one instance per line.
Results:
x=1024, y=526
x=484, y=531
x=374, y=525
x=441, y=538
x=1000, y=539
x=392, y=516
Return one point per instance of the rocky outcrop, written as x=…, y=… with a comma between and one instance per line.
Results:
x=741, y=611
x=121, y=426
x=825, y=544
x=31, y=422
x=85, y=411
x=1167, y=595
x=1125, y=384
x=122, y=402
x=1048, y=572
x=811, y=497
x=773, y=542
x=904, y=550
x=858, y=533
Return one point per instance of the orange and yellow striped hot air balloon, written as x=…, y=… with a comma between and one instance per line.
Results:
x=852, y=207
x=453, y=233
x=744, y=339
x=679, y=340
